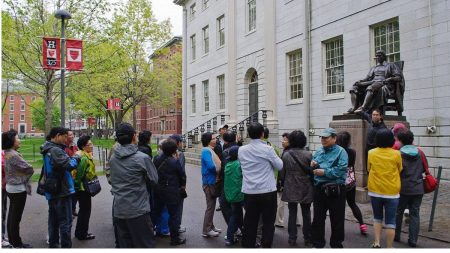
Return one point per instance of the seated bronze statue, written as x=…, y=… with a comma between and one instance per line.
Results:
x=384, y=81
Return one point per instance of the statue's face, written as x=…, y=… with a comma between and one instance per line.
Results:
x=380, y=57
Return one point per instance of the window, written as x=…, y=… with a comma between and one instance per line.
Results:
x=387, y=38
x=205, y=4
x=33, y=128
x=295, y=75
x=22, y=98
x=193, y=47
x=251, y=4
x=221, y=30
x=11, y=117
x=193, y=104
x=334, y=65
x=33, y=98
x=205, y=39
x=11, y=98
x=206, y=95
x=11, y=107
x=192, y=11
x=11, y=126
x=22, y=106
x=22, y=117
x=221, y=84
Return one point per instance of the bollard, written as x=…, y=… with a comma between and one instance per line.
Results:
x=34, y=152
x=433, y=207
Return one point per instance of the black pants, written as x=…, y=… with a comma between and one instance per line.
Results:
x=350, y=196
x=74, y=203
x=292, y=222
x=84, y=213
x=4, y=211
x=173, y=209
x=336, y=208
x=16, y=206
x=136, y=232
x=255, y=205
x=225, y=207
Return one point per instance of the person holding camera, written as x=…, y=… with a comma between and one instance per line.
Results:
x=329, y=166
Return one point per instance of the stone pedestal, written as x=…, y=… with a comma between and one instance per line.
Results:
x=358, y=127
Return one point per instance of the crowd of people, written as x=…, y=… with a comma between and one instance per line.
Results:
x=253, y=183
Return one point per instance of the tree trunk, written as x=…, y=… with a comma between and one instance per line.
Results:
x=134, y=117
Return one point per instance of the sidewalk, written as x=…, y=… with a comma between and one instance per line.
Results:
x=441, y=224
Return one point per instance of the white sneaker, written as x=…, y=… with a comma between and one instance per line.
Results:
x=6, y=244
x=218, y=230
x=211, y=233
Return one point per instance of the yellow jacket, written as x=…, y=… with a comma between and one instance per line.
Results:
x=384, y=166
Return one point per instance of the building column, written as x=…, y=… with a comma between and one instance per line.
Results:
x=184, y=76
x=231, y=78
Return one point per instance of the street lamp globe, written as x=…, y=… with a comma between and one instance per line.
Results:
x=62, y=14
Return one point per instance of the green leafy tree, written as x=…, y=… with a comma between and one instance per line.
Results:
x=23, y=25
x=38, y=114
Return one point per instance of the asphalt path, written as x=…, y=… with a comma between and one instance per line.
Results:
x=34, y=223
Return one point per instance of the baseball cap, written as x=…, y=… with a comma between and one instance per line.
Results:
x=327, y=132
x=223, y=126
x=176, y=137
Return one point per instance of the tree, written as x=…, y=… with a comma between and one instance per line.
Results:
x=126, y=73
x=23, y=25
x=38, y=114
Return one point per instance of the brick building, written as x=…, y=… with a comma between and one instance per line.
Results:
x=17, y=114
x=162, y=121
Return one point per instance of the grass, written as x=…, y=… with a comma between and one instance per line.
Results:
x=37, y=174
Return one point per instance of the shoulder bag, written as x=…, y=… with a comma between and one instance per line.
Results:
x=430, y=183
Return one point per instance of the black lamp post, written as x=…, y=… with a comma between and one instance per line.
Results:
x=62, y=14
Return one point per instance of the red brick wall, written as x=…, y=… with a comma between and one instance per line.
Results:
x=20, y=99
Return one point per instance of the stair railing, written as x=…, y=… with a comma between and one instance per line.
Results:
x=211, y=126
x=242, y=125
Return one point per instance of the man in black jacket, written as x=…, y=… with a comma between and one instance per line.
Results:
x=376, y=123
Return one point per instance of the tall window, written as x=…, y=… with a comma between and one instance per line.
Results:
x=334, y=65
x=205, y=39
x=11, y=107
x=193, y=104
x=193, y=47
x=11, y=126
x=22, y=117
x=221, y=84
x=205, y=4
x=11, y=117
x=11, y=98
x=206, y=95
x=221, y=30
x=22, y=98
x=251, y=4
x=22, y=106
x=387, y=38
x=192, y=11
x=295, y=75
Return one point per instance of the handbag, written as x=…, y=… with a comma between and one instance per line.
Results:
x=430, y=183
x=331, y=190
x=41, y=183
x=92, y=186
x=350, y=181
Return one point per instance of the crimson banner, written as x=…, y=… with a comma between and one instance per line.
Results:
x=114, y=104
x=51, y=53
x=74, y=55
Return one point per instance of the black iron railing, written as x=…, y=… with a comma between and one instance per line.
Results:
x=207, y=126
x=242, y=125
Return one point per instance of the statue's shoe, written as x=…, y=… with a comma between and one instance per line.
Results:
x=359, y=110
x=350, y=111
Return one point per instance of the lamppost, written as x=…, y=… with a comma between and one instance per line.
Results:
x=62, y=14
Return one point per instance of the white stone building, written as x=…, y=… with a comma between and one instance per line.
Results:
x=299, y=58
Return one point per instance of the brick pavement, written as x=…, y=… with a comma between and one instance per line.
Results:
x=441, y=224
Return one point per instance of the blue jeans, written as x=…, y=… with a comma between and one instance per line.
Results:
x=389, y=206
x=412, y=202
x=236, y=220
x=60, y=222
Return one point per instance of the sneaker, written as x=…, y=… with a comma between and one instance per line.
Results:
x=412, y=245
x=47, y=240
x=178, y=241
x=218, y=230
x=363, y=229
x=211, y=233
x=24, y=246
x=229, y=243
x=6, y=244
x=375, y=246
x=182, y=230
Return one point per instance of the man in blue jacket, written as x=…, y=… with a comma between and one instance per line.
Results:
x=57, y=165
x=329, y=166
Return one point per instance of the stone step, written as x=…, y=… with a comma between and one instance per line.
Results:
x=193, y=161
x=192, y=155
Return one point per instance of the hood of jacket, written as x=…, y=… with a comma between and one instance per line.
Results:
x=410, y=151
x=124, y=151
x=49, y=144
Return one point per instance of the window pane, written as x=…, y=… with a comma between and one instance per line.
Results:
x=295, y=75
x=387, y=38
x=334, y=66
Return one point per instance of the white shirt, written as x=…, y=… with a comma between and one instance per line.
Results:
x=258, y=162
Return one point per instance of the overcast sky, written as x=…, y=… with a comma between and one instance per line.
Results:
x=164, y=9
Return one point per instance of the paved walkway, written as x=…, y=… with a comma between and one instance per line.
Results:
x=441, y=224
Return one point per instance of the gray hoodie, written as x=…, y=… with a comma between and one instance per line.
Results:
x=130, y=169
